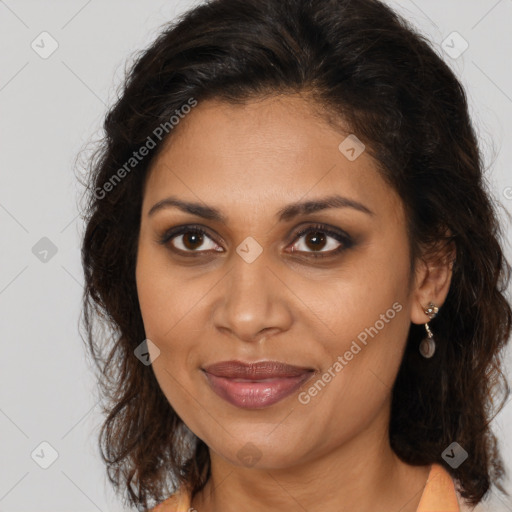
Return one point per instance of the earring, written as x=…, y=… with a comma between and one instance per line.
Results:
x=428, y=344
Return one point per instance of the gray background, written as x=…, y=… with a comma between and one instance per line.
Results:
x=50, y=110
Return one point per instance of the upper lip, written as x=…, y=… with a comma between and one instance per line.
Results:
x=255, y=371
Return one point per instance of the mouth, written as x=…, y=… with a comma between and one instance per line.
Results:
x=255, y=385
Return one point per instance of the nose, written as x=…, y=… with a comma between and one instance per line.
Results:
x=255, y=301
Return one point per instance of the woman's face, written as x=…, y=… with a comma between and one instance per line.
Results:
x=338, y=305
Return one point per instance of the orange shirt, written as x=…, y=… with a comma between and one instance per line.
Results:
x=438, y=495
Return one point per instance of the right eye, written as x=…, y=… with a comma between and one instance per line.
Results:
x=188, y=239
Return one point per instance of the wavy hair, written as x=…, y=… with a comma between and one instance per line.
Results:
x=363, y=64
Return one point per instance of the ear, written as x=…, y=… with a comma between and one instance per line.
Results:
x=432, y=281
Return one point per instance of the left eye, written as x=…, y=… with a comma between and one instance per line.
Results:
x=318, y=239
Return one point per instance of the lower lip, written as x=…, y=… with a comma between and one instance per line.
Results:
x=255, y=394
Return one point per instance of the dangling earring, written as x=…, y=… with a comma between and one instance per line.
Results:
x=428, y=344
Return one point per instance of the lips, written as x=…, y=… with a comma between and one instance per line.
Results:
x=255, y=371
x=255, y=385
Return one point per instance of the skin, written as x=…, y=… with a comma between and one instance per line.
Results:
x=249, y=161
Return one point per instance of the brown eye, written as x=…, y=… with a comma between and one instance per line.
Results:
x=189, y=239
x=315, y=240
x=192, y=240
x=319, y=241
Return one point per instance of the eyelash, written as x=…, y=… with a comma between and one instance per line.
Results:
x=343, y=238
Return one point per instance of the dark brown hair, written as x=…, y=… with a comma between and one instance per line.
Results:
x=365, y=65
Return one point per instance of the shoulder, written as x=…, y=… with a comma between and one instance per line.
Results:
x=177, y=502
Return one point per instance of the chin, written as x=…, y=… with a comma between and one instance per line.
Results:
x=258, y=450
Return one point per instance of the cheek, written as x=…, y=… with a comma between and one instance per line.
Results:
x=367, y=312
x=367, y=300
x=356, y=381
x=169, y=306
x=164, y=297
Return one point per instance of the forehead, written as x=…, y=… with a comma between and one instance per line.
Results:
x=263, y=152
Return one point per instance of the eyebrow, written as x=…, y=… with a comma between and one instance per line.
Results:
x=284, y=214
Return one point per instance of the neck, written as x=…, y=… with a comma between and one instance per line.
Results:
x=363, y=474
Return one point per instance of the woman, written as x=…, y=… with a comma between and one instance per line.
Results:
x=289, y=235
